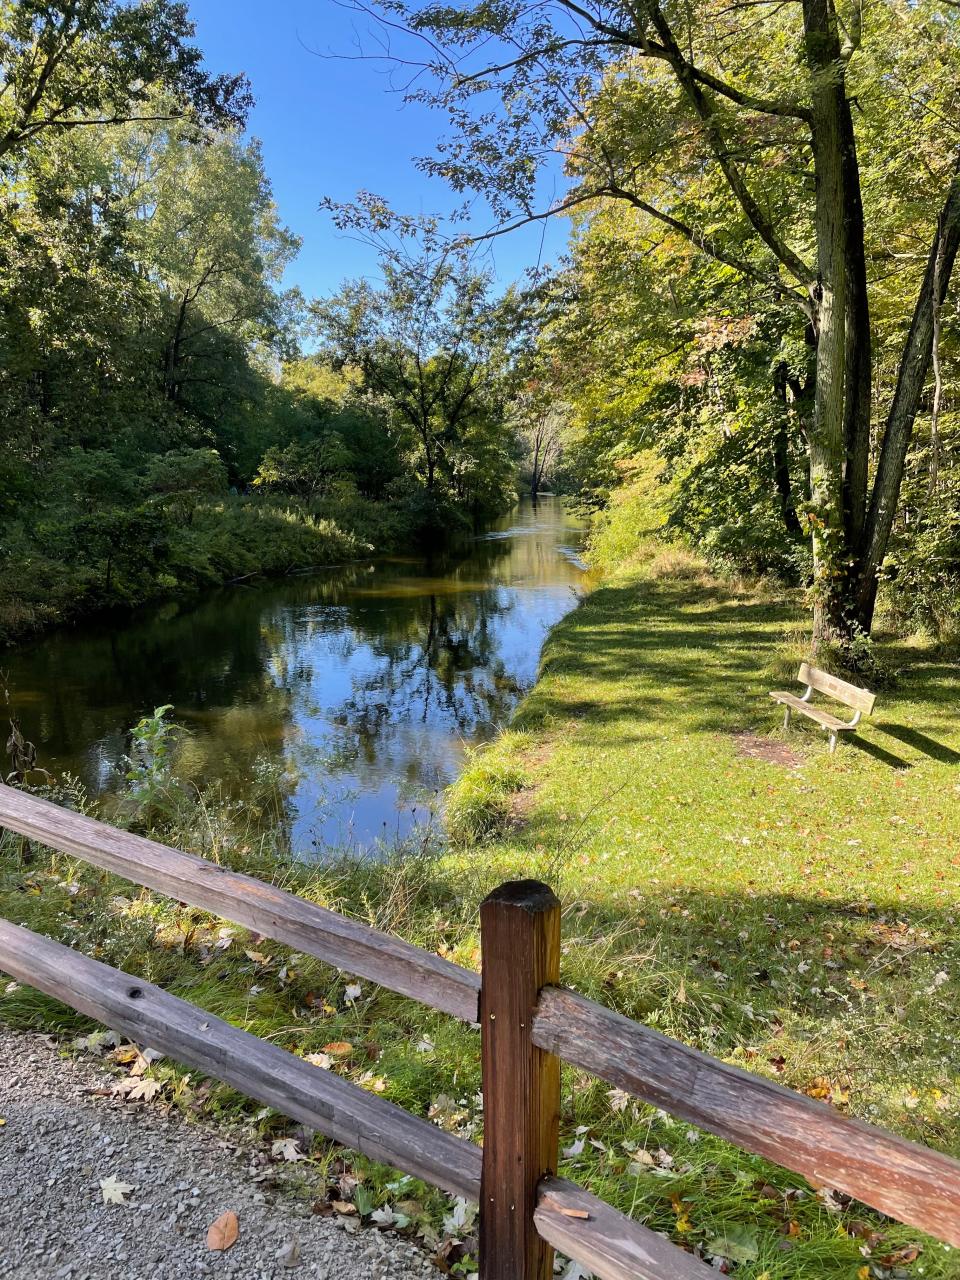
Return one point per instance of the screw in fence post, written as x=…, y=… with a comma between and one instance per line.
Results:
x=520, y=944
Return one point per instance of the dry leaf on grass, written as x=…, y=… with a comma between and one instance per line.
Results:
x=222, y=1234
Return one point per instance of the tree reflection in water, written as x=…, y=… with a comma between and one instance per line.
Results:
x=365, y=682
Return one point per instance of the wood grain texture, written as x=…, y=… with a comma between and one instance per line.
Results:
x=814, y=713
x=520, y=943
x=851, y=695
x=918, y=1186
x=612, y=1245
x=345, y=943
x=314, y=1097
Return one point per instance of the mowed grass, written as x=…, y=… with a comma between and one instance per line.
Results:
x=799, y=921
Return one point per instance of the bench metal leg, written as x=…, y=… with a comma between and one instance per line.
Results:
x=833, y=743
x=786, y=718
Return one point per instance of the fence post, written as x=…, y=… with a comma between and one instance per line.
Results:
x=520, y=945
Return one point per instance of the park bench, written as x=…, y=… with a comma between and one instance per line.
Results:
x=860, y=700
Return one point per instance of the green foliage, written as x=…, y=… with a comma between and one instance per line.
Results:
x=99, y=60
x=431, y=345
x=922, y=573
x=149, y=775
x=636, y=514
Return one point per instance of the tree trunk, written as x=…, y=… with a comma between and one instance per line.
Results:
x=858, y=385
x=172, y=365
x=781, y=459
x=912, y=375
x=826, y=442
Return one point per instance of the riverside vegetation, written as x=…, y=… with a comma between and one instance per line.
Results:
x=750, y=350
x=792, y=913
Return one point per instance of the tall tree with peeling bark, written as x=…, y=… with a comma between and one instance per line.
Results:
x=743, y=130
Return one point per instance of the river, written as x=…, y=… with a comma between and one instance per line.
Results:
x=364, y=684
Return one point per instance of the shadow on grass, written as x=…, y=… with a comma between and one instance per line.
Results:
x=743, y=962
x=667, y=651
x=876, y=751
x=920, y=742
x=688, y=658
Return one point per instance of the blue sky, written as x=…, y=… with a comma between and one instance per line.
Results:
x=332, y=127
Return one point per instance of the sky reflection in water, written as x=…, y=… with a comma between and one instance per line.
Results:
x=367, y=680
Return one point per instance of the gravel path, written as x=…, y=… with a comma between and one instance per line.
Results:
x=59, y=1139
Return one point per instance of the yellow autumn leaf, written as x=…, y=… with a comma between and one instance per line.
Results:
x=683, y=1223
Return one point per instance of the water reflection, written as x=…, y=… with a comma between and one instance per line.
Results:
x=365, y=682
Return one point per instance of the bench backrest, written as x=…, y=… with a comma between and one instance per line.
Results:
x=849, y=694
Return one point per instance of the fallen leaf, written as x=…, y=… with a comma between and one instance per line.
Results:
x=550, y=1203
x=289, y=1255
x=683, y=1223
x=461, y=1219
x=901, y=1257
x=222, y=1234
x=320, y=1060
x=137, y=1088
x=339, y=1048
x=739, y=1244
x=343, y=1206
x=575, y=1271
x=114, y=1192
x=287, y=1149
x=125, y=1053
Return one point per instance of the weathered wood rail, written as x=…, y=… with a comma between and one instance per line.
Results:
x=528, y=1024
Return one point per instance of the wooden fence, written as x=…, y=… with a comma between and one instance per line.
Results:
x=528, y=1023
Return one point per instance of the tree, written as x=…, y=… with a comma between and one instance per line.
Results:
x=651, y=352
x=744, y=133
x=205, y=229
x=540, y=421
x=430, y=343
x=92, y=63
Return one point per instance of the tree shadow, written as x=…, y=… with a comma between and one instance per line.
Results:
x=920, y=742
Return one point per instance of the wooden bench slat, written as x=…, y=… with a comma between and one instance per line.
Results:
x=919, y=1186
x=612, y=1245
x=348, y=944
x=317, y=1098
x=815, y=713
x=850, y=695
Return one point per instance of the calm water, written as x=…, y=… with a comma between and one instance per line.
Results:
x=365, y=682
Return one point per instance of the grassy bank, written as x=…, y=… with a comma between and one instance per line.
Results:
x=791, y=912
x=92, y=564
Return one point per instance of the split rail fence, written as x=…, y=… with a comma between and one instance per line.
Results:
x=528, y=1023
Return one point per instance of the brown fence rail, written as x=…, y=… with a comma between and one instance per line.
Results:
x=528, y=1023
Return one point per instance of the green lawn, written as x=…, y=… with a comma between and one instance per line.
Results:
x=799, y=919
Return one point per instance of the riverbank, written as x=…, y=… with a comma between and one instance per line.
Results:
x=792, y=912
x=62, y=575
